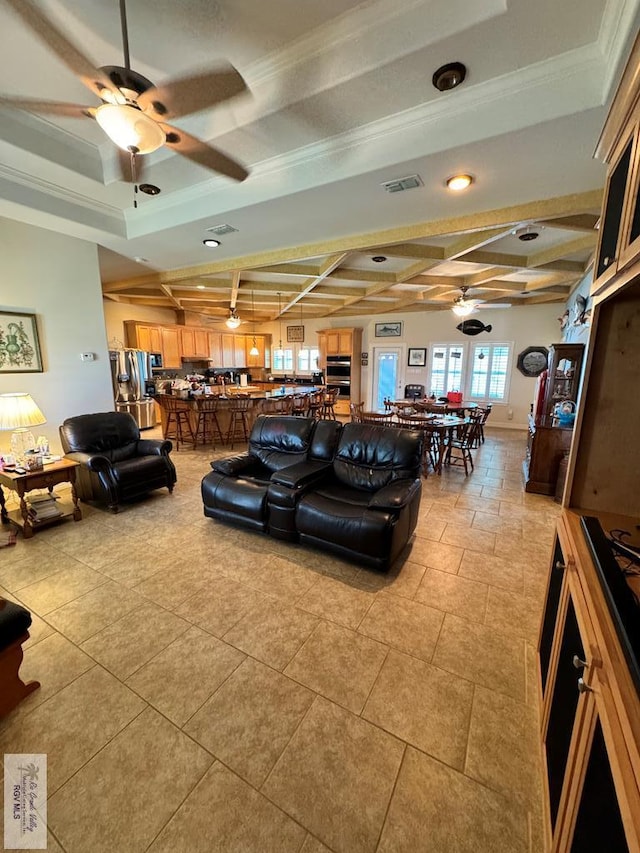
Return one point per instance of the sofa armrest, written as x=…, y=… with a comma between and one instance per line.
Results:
x=395, y=495
x=301, y=475
x=154, y=447
x=93, y=461
x=233, y=466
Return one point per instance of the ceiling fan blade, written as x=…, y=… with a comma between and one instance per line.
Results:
x=190, y=94
x=55, y=108
x=198, y=151
x=67, y=52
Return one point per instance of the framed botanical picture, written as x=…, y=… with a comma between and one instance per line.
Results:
x=19, y=344
x=417, y=357
x=295, y=334
x=388, y=330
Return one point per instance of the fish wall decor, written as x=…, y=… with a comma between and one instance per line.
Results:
x=472, y=327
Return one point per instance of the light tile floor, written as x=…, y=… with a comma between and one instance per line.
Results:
x=206, y=688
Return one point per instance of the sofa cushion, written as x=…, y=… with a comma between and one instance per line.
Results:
x=235, y=497
x=350, y=526
x=279, y=441
x=369, y=456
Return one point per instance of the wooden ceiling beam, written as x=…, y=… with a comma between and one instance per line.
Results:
x=474, y=241
x=559, y=252
x=577, y=222
x=167, y=292
x=235, y=284
x=327, y=267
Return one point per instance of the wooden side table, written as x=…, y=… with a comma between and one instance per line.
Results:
x=63, y=471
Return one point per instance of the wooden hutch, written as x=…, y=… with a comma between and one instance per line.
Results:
x=589, y=642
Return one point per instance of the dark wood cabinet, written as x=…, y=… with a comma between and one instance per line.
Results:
x=563, y=377
x=546, y=446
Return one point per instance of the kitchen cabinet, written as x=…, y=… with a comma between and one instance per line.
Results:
x=215, y=348
x=194, y=342
x=340, y=361
x=171, y=355
x=339, y=341
x=149, y=338
x=591, y=744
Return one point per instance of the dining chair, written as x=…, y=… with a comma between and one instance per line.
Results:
x=355, y=411
x=430, y=443
x=460, y=445
x=379, y=418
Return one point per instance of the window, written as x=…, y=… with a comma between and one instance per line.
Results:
x=481, y=374
x=490, y=367
x=447, y=363
x=308, y=358
x=283, y=359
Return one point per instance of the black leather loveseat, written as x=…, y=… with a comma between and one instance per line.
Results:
x=116, y=464
x=354, y=490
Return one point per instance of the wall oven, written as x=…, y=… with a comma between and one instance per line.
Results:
x=338, y=373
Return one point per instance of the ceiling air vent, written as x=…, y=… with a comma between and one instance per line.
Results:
x=220, y=230
x=408, y=183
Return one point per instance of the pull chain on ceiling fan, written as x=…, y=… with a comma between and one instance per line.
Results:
x=134, y=113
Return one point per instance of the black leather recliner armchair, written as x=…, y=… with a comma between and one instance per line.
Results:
x=237, y=488
x=365, y=505
x=116, y=465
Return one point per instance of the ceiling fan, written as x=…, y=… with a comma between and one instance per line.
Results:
x=134, y=113
x=464, y=305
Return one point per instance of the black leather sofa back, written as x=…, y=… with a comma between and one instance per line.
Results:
x=369, y=457
x=112, y=434
x=277, y=442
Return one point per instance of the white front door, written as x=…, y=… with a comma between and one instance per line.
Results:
x=387, y=374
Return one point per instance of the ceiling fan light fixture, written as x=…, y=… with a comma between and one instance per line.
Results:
x=130, y=128
x=457, y=183
x=232, y=321
x=463, y=308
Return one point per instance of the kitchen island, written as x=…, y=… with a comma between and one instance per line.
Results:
x=224, y=394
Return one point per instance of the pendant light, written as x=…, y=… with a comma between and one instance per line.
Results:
x=254, y=349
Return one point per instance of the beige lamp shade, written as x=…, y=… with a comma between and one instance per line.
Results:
x=19, y=411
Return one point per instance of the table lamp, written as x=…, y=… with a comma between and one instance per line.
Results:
x=19, y=412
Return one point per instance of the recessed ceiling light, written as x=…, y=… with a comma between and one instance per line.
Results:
x=211, y=244
x=140, y=260
x=199, y=286
x=459, y=182
x=150, y=189
x=449, y=76
x=379, y=259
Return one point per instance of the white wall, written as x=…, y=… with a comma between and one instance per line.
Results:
x=115, y=313
x=56, y=277
x=523, y=327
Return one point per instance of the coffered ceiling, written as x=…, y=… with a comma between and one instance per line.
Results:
x=340, y=100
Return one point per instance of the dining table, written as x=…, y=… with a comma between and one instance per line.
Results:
x=444, y=408
x=432, y=424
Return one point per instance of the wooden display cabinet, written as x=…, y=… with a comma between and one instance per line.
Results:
x=564, y=373
x=591, y=744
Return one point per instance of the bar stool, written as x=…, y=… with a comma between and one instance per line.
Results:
x=328, y=409
x=316, y=404
x=300, y=405
x=208, y=426
x=178, y=423
x=239, y=405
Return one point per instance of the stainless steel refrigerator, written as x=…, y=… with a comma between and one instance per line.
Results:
x=130, y=373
